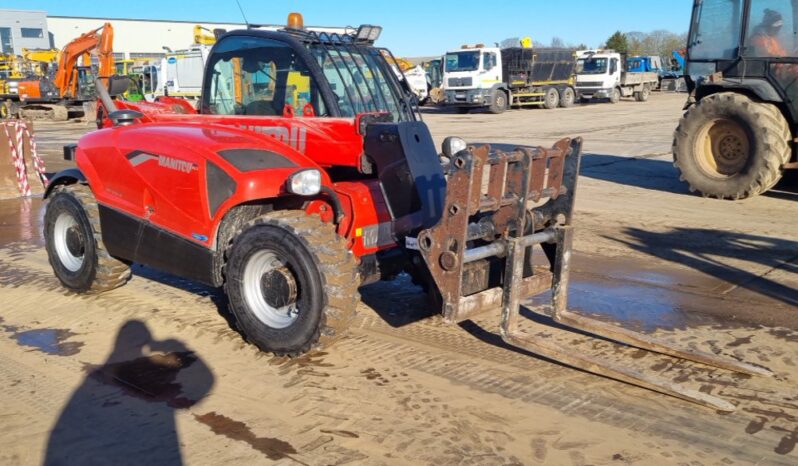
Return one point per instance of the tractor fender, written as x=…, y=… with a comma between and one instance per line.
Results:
x=759, y=89
x=68, y=176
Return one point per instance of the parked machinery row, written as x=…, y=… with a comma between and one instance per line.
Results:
x=497, y=79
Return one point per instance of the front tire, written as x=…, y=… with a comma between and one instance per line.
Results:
x=615, y=97
x=74, y=242
x=291, y=283
x=729, y=147
x=499, y=104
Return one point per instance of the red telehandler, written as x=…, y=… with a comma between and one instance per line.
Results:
x=305, y=173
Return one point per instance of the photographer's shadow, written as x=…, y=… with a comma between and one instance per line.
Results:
x=124, y=411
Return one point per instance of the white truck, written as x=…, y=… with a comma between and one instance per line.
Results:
x=497, y=79
x=182, y=72
x=601, y=74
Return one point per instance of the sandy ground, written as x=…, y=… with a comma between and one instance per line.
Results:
x=153, y=373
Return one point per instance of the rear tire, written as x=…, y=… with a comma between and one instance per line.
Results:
x=729, y=147
x=74, y=242
x=552, y=98
x=499, y=103
x=643, y=95
x=291, y=283
x=567, y=97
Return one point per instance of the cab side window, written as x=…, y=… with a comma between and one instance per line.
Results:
x=771, y=29
x=490, y=61
x=256, y=76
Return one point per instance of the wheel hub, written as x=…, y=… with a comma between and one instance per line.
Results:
x=270, y=289
x=74, y=241
x=723, y=148
x=69, y=242
x=279, y=287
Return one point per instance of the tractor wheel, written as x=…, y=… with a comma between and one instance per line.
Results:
x=499, y=104
x=615, y=97
x=291, y=283
x=567, y=97
x=643, y=95
x=74, y=242
x=551, y=99
x=729, y=147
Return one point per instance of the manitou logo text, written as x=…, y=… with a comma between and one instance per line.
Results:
x=176, y=164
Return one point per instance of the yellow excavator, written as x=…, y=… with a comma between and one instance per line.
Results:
x=200, y=38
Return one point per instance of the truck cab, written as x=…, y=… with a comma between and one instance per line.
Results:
x=472, y=76
x=598, y=74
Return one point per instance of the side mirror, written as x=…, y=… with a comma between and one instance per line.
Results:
x=118, y=85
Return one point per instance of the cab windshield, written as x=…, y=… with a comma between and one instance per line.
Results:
x=361, y=80
x=267, y=77
x=594, y=66
x=462, y=61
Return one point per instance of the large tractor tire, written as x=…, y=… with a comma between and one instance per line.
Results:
x=499, y=103
x=291, y=283
x=567, y=97
x=729, y=147
x=74, y=242
x=551, y=99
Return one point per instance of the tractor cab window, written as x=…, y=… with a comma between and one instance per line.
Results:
x=771, y=29
x=361, y=80
x=257, y=76
x=716, y=31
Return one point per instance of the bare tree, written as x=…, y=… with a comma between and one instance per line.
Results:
x=509, y=43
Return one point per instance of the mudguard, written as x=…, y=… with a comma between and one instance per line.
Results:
x=68, y=176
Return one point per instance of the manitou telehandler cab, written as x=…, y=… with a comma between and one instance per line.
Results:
x=307, y=173
x=738, y=134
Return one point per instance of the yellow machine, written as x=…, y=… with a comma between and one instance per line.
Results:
x=38, y=62
x=200, y=38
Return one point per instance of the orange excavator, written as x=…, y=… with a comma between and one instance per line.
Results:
x=71, y=88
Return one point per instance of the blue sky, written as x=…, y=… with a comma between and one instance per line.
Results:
x=412, y=27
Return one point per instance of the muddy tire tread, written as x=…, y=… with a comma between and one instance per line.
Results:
x=773, y=127
x=336, y=265
x=111, y=272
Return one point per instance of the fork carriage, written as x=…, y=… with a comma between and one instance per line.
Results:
x=500, y=203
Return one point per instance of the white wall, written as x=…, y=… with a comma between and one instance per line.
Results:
x=17, y=19
x=138, y=36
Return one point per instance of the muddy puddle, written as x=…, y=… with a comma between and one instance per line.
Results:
x=21, y=221
x=46, y=340
x=272, y=448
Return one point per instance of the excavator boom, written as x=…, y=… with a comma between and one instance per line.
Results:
x=101, y=40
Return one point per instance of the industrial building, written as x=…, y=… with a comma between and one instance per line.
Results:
x=133, y=38
x=23, y=29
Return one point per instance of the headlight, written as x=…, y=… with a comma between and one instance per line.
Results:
x=305, y=183
x=453, y=146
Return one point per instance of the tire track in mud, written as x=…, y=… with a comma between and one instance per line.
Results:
x=385, y=356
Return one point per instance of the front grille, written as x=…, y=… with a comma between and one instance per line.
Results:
x=461, y=82
x=589, y=84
